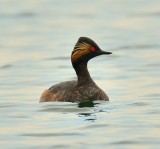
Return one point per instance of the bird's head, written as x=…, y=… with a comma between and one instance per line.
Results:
x=84, y=50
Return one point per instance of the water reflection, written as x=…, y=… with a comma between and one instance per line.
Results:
x=95, y=108
x=88, y=116
x=86, y=111
x=87, y=104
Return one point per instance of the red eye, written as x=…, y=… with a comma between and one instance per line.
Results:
x=92, y=49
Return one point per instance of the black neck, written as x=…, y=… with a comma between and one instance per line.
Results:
x=82, y=73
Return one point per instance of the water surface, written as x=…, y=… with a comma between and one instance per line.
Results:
x=36, y=41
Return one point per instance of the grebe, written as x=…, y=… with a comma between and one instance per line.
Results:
x=84, y=89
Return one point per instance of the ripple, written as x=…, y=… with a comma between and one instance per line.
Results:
x=124, y=142
x=22, y=14
x=26, y=14
x=62, y=107
x=6, y=66
x=149, y=46
x=129, y=142
x=96, y=126
x=8, y=105
x=49, y=134
x=58, y=58
x=152, y=14
x=139, y=104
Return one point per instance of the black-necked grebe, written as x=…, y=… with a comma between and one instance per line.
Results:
x=84, y=89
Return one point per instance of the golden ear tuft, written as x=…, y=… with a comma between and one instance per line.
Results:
x=80, y=50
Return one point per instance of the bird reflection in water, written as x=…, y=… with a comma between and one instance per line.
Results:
x=87, y=116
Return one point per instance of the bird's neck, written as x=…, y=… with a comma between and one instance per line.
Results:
x=82, y=73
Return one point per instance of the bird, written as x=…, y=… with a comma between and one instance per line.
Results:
x=84, y=89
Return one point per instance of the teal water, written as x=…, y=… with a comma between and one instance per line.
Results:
x=36, y=41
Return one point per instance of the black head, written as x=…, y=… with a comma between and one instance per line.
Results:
x=84, y=50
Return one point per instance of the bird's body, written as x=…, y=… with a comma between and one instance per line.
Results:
x=84, y=89
x=72, y=91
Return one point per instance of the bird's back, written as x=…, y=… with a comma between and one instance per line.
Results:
x=71, y=91
x=58, y=92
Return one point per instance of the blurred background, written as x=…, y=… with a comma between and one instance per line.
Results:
x=37, y=38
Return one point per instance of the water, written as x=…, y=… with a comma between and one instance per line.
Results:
x=36, y=41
